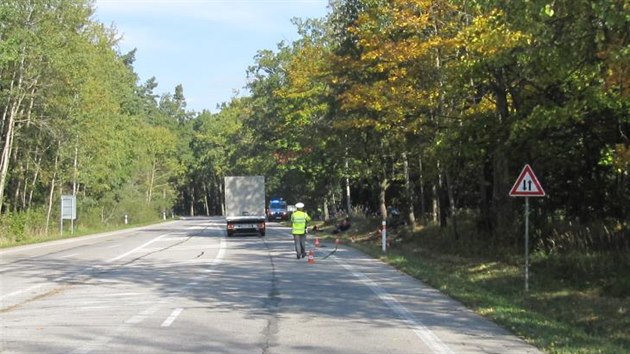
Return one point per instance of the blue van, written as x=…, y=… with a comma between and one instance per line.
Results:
x=278, y=210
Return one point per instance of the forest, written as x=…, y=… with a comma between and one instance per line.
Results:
x=431, y=107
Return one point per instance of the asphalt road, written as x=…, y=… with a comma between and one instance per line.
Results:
x=183, y=286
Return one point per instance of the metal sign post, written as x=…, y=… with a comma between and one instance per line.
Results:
x=527, y=185
x=526, y=244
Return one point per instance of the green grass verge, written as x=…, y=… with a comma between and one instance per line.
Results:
x=557, y=315
x=7, y=242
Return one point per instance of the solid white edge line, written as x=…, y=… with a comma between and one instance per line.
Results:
x=219, y=258
x=424, y=333
x=167, y=322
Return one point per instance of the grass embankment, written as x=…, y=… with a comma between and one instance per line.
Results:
x=8, y=239
x=564, y=311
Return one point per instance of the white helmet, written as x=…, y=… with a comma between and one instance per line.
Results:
x=299, y=205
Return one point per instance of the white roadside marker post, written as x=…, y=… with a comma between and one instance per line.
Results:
x=384, y=236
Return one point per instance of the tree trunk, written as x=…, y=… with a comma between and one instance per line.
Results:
x=206, y=204
x=17, y=194
x=6, y=150
x=51, y=194
x=16, y=95
x=382, y=203
x=411, y=218
x=75, y=165
x=348, y=200
x=24, y=191
x=35, y=179
x=423, y=209
x=14, y=183
x=436, y=202
x=451, y=201
x=164, y=203
x=151, y=182
x=383, y=185
x=334, y=204
x=443, y=204
x=192, y=201
x=485, y=223
x=218, y=195
x=502, y=209
x=221, y=193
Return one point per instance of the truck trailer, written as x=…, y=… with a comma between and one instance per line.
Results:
x=245, y=205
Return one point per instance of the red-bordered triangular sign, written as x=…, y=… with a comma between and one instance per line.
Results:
x=527, y=185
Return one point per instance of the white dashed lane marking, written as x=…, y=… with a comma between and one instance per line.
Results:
x=172, y=317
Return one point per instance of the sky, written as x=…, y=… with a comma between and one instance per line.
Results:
x=204, y=45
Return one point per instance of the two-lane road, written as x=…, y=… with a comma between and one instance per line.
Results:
x=184, y=287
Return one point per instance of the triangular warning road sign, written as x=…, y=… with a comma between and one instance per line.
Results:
x=527, y=185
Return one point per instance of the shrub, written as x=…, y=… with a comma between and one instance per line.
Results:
x=13, y=227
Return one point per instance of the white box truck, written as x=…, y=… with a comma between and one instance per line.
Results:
x=245, y=205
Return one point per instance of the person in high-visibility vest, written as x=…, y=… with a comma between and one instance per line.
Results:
x=299, y=219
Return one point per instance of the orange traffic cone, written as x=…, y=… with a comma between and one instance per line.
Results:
x=311, y=258
x=317, y=242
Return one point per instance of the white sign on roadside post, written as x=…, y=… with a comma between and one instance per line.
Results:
x=68, y=210
x=527, y=185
